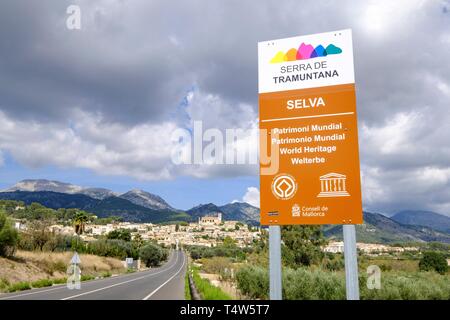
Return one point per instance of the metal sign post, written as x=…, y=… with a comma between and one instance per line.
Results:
x=275, y=262
x=351, y=263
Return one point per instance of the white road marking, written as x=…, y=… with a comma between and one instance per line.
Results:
x=120, y=283
x=151, y=294
x=307, y=117
x=60, y=286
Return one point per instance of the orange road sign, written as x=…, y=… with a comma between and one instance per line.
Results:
x=309, y=172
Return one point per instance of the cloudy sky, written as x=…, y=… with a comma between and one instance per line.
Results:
x=97, y=106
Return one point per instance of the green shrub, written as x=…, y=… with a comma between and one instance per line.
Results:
x=110, y=248
x=187, y=288
x=87, y=277
x=238, y=254
x=306, y=284
x=4, y=283
x=106, y=274
x=152, y=255
x=60, y=281
x=42, y=283
x=253, y=281
x=433, y=261
x=19, y=286
x=8, y=237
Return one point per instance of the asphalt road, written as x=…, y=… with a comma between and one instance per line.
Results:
x=163, y=283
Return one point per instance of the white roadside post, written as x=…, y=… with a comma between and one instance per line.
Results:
x=351, y=263
x=275, y=262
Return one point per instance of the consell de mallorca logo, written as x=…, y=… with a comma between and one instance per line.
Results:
x=305, y=52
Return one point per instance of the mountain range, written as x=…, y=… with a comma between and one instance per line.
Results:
x=141, y=206
x=134, y=205
x=378, y=228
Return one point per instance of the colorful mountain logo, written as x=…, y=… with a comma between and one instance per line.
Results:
x=305, y=52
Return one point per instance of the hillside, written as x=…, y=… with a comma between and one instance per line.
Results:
x=241, y=211
x=203, y=210
x=28, y=266
x=146, y=199
x=378, y=228
x=111, y=206
x=53, y=200
x=114, y=206
x=423, y=218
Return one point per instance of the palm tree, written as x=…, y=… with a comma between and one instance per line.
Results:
x=79, y=222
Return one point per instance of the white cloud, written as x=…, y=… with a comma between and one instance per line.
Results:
x=252, y=196
x=133, y=61
x=141, y=151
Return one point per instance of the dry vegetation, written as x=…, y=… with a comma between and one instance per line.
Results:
x=29, y=266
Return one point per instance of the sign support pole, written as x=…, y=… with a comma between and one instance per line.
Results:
x=275, y=262
x=351, y=263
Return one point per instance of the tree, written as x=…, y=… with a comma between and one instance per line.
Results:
x=39, y=232
x=79, y=222
x=138, y=241
x=120, y=234
x=433, y=261
x=8, y=237
x=229, y=243
x=302, y=245
x=152, y=255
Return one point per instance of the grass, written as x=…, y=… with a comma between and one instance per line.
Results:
x=19, y=286
x=60, y=281
x=4, y=283
x=42, y=283
x=187, y=289
x=207, y=290
x=87, y=277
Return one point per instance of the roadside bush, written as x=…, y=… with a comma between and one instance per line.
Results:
x=4, y=283
x=19, y=286
x=8, y=237
x=408, y=286
x=236, y=253
x=333, y=262
x=253, y=281
x=42, y=283
x=433, y=261
x=111, y=248
x=152, y=255
x=306, y=284
x=60, y=281
x=87, y=277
